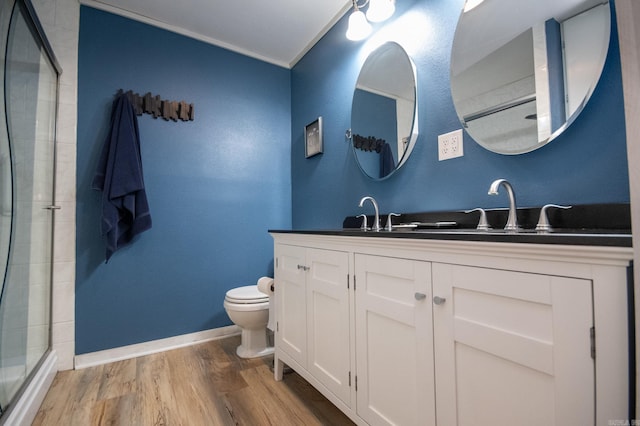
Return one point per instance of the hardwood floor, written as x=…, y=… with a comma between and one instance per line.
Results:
x=205, y=384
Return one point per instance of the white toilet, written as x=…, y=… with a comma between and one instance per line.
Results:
x=248, y=308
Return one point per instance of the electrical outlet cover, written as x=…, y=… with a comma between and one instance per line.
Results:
x=450, y=145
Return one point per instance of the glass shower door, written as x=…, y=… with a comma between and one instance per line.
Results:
x=27, y=152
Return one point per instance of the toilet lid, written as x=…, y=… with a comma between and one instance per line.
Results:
x=246, y=294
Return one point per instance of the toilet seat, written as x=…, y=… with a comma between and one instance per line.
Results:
x=248, y=308
x=246, y=295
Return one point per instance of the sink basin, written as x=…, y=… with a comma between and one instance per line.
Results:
x=426, y=225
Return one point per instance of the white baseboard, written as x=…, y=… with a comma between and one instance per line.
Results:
x=139, y=349
x=27, y=406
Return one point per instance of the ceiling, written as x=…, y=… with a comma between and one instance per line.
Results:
x=276, y=31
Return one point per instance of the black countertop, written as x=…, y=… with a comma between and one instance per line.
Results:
x=593, y=225
x=565, y=237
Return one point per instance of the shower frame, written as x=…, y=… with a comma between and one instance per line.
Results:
x=25, y=401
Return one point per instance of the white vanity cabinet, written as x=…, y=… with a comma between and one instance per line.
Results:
x=313, y=316
x=441, y=332
x=290, y=303
x=394, y=341
x=512, y=348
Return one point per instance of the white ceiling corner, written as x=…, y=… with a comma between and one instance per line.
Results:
x=275, y=31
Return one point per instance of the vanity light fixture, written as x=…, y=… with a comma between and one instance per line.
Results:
x=359, y=28
x=378, y=11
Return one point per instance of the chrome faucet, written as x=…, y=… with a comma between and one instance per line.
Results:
x=376, y=222
x=543, y=221
x=512, y=220
x=389, y=225
x=483, y=224
x=364, y=226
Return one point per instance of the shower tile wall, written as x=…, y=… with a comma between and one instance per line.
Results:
x=60, y=19
x=31, y=261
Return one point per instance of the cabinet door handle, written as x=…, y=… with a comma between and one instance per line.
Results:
x=439, y=300
x=304, y=268
x=420, y=296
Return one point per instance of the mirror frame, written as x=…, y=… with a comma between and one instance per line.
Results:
x=585, y=97
x=414, y=131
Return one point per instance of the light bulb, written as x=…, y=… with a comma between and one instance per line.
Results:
x=379, y=10
x=359, y=28
x=470, y=4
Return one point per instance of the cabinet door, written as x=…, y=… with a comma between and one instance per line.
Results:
x=328, y=320
x=290, y=301
x=394, y=341
x=512, y=348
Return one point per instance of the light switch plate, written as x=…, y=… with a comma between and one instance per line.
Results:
x=450, y=145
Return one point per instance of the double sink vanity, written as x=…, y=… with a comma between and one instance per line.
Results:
x=441, y=323
x=518, y=316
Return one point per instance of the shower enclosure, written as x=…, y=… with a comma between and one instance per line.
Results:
x=28, y=109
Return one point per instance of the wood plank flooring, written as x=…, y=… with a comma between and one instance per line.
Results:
x=204, y=384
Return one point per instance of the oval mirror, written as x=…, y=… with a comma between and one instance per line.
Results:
x=522, y=71
x=384, y=125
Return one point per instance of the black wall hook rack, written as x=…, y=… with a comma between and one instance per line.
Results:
x=154, y=105
x=368, y=143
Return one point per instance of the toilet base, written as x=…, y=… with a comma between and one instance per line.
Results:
x=245, y=353
x=254, y=344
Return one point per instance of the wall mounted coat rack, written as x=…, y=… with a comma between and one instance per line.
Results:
x=369, y=143
x=154, y=105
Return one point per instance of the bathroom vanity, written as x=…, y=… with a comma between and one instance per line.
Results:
x=474, y=326
x=441, y=328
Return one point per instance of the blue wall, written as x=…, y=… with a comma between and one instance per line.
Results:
x=587, y=164
x=215, y=185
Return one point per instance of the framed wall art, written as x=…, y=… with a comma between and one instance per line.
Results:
x=313, y=138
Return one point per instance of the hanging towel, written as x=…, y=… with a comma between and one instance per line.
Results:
x=125, y=211
x=387, y=163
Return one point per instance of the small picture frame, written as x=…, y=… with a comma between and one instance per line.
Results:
x=313, y=138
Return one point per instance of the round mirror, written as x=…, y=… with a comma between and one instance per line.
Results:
x=521, y=70
x=384, y=125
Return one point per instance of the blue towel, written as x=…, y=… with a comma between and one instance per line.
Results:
x=125, y=211
x=387, y=163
